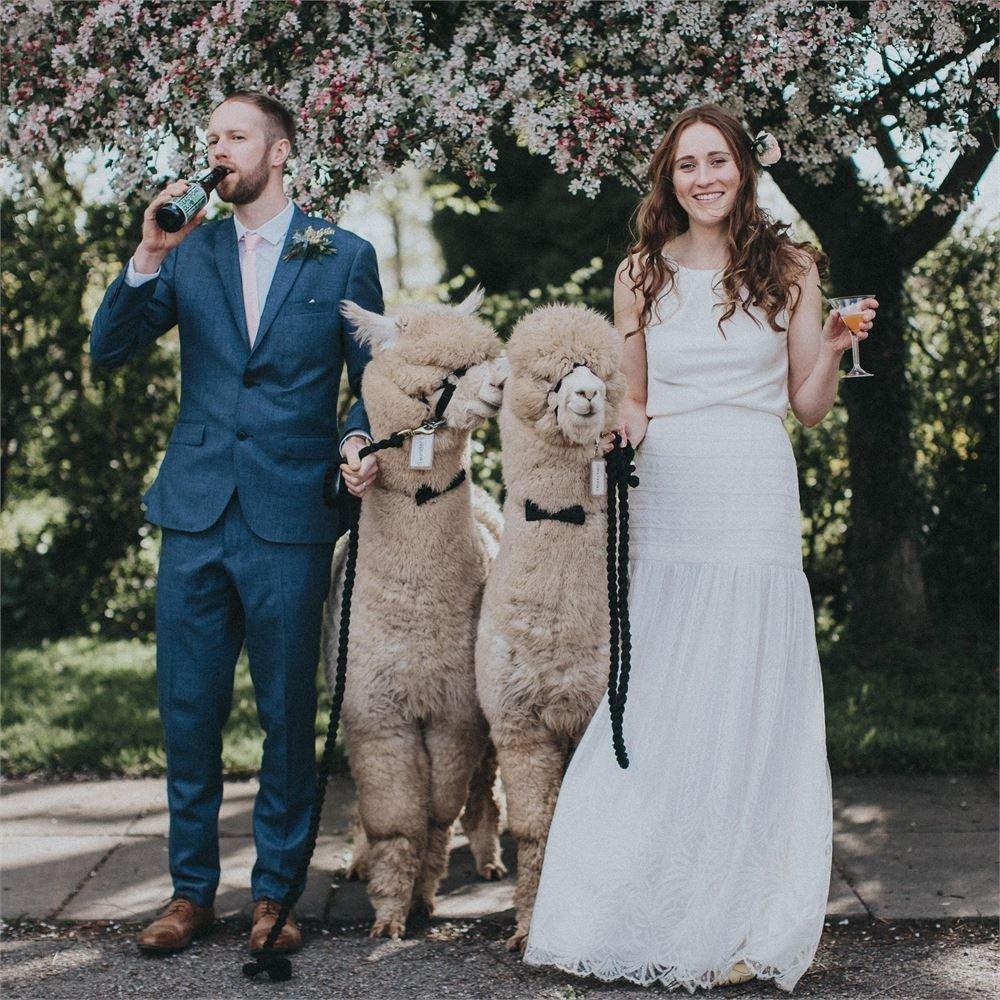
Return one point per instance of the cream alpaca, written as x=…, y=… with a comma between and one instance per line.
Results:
x=543, y=644
x=412, y=722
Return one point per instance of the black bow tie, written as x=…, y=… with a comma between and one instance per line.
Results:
x=568, y=515
x=425, y=493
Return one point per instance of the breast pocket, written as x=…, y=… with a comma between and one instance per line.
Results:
x=323, y=310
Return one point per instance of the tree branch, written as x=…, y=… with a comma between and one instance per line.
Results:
x=929, y=227
x=888, y=151
x=900, y=84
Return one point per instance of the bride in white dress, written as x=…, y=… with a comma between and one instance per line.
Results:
x=707, y=861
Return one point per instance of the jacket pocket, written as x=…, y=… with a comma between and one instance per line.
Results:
x=310, y=447
x=188, y=432
x=316, y=310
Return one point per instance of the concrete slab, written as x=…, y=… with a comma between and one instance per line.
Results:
x=39, y=873
x=916, y=876
x=134, y=883
x=926, y=804
x=76, y=808
x=843, y=900
x=908, y=846
x=919, y=846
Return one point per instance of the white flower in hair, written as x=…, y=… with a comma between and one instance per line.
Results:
x=766, y=149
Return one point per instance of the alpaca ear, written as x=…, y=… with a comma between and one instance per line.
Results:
x=378, y=332
x=471, y=302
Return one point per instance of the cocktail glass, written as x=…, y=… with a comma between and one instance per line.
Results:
x=853, y=315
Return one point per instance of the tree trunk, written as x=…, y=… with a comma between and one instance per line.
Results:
x=883, y=548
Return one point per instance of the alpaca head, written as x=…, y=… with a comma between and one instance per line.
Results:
x=564, y=377
x=422, y=347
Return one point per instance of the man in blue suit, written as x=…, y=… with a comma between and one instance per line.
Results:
x=244, y=493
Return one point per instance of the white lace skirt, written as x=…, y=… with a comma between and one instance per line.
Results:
x=714, y=846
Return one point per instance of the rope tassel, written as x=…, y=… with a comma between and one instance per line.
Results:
x=621, y=475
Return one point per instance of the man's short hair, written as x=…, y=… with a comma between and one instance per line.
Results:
x=280, y=123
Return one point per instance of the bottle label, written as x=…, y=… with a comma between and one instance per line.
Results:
x=192, y=201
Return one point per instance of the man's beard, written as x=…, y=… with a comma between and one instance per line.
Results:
x=249, y=187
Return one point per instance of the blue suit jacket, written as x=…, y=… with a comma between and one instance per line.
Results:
x=263, y=421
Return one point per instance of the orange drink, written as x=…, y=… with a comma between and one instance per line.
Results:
x=852, y=315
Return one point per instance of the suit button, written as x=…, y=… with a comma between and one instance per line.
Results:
x=249, y=381
x=241, y=435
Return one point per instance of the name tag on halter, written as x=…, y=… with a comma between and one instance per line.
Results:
x=422, y=450
x=598, y=478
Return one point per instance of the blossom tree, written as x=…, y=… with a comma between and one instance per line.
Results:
x=591, y=86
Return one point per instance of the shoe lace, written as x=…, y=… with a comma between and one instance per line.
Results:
x=178, y=905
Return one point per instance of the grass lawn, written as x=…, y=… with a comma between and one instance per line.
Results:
x=89, y=706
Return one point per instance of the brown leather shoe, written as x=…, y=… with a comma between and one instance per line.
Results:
x=176, y=927
x=265, y=912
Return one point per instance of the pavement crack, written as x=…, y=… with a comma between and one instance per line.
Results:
x=86, y=878
x=842, y=872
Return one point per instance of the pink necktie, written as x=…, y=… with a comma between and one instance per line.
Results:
x=251, y=304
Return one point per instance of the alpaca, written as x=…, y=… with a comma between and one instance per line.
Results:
x=412, y=724
x=543, y=645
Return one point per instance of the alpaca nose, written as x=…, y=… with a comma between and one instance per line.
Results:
x=588, y=394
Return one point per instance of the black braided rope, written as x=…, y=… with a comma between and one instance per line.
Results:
x=276, y=965
x=620, y=477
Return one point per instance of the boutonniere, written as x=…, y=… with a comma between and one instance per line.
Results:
x=309, y=243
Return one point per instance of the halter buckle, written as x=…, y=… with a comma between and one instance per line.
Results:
x=427, y=427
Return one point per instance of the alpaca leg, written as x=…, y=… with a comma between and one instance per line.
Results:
x=391, y=771
x=481, y=817
x=358, y=868
x=532, y=770
x=453, y=752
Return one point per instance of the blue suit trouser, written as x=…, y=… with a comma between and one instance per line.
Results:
x=217, y=589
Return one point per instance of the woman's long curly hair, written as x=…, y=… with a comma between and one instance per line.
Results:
x=764, y=264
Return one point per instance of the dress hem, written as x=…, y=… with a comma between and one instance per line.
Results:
x=666, y=975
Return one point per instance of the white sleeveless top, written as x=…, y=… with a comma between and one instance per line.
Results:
x=689, y=363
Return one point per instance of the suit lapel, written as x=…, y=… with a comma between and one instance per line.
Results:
x=227, y=260
x=284, y=277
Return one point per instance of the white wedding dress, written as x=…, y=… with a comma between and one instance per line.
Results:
x=714, y=846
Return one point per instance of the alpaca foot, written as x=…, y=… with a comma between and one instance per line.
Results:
x=390, y=927
x=517, y=940
x=357, y=870
x=739, y=973
x=492, y=871
x=421, y=911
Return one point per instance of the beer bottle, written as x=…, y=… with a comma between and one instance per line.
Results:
x=178, y=212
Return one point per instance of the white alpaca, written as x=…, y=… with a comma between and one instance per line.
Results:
x=543, y=646
x=412, y=723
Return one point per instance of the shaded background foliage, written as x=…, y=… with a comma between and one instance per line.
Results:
x=80, y=445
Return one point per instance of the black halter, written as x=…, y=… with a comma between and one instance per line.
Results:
x=397, y=438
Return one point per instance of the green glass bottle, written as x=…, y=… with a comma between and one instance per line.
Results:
x=178, y=212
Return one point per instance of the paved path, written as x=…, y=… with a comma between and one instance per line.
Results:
x=904, y=848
